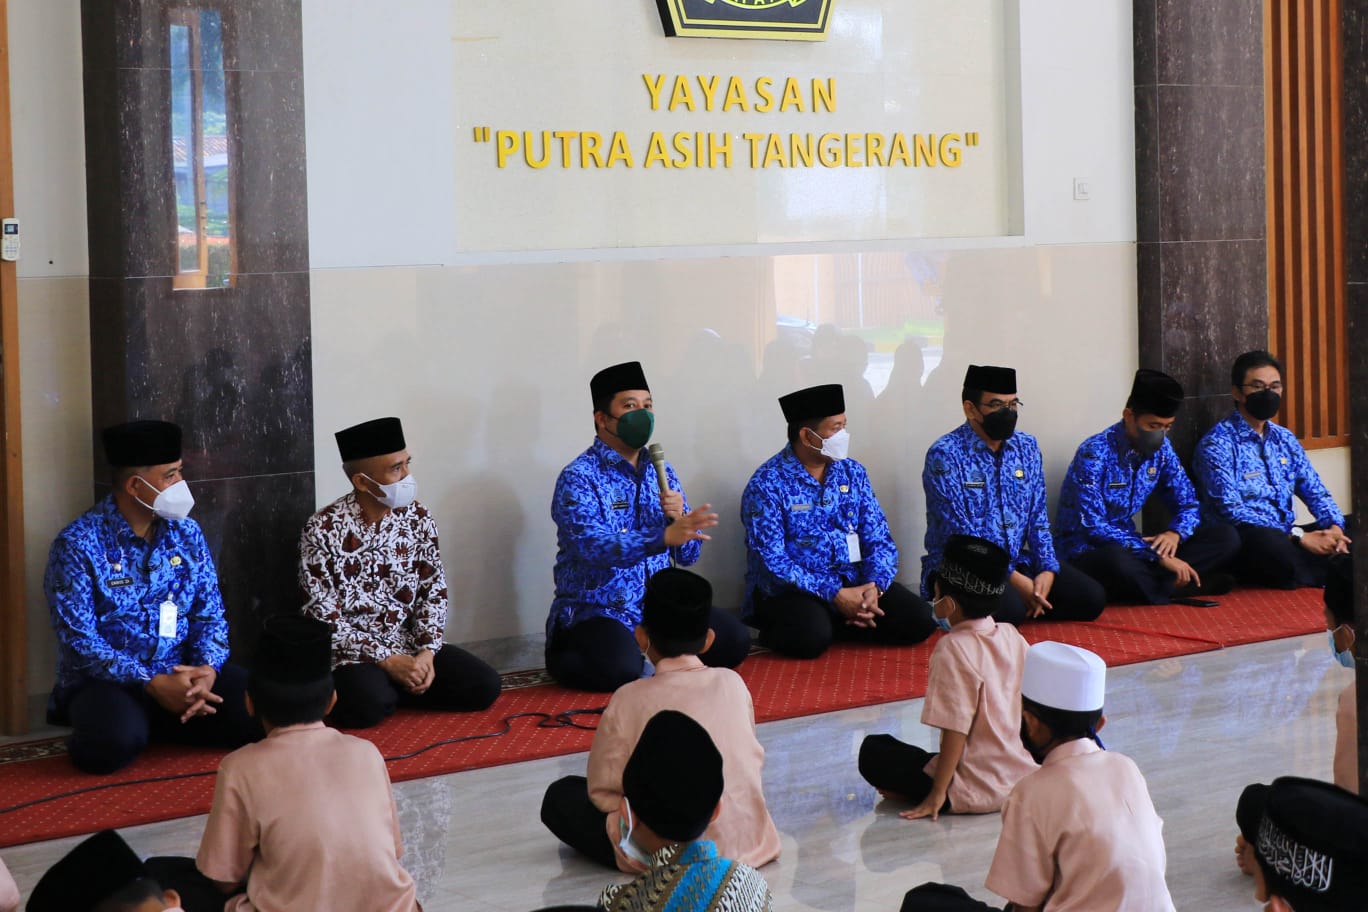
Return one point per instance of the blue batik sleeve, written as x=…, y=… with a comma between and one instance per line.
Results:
x=942, y=480
x=1215, y=467
x=1038, y=534
x=1312, y=490
x=1085, y=488
x=762, y=513
x=206, y=639
x=880, y=552
x=588, y=536
x=688, y=553
x=1177, y=494
x=70, y=595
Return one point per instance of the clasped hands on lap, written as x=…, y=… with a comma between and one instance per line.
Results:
x=186, y=691
x=414, y=673
x=1034, y=592
x=859, y=605
x=1327, y=541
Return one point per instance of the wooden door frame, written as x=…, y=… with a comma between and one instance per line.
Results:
x=13, y=597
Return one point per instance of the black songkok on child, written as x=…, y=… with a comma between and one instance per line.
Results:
x=988, y=379
x=972, y=566
x=610, y=381
x=371, y=438
x=678, y=605
x=1313, y=845
x=88, y=875
x=673, y=780
x=142, y=443
x=813, y=403
x=294, y=650
x=1154, y=393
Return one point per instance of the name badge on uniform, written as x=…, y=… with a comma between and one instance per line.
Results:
x=167, y=628
x=1249, y=475
x=853, y=546
x=620, y=505
x=120, y=581
x=1116, y=484
x=795, y=508
x=975, y=484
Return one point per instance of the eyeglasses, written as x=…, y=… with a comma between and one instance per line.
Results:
x=997, y=405
x=1259, y=386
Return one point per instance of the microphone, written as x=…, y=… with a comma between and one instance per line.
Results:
x=658, y=460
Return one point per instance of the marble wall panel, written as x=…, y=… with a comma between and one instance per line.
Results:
x=1145, y=34
x=1148, y=182
x=1209, y=42
x=1354, y=19
x=1211, y=156
x=1214, y=307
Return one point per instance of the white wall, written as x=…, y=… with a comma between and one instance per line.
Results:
x=54, y=321
x=487, y=356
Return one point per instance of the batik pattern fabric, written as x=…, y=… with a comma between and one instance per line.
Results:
x=798, y=529
x=105, y=588
x=691, y=878
x=1107, y=484
x=1000, y=497
x=610, y=537
x=381, y=587
x=1248, y=479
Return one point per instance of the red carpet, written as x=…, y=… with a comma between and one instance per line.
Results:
x=846, y=676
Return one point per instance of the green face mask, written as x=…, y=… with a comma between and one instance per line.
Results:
x=634, y=428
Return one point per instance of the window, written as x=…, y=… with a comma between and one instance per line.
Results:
x=201, y=163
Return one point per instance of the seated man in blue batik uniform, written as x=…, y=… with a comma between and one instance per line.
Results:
x=820, y=560
x=1248, y=467
x=141, y=637
x=1111, y=476
x=987, y=480
x=614, y=530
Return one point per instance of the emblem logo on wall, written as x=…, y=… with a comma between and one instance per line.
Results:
x=791, y=20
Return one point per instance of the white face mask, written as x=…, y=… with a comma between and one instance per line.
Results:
x=837, y=446
x=397, y=495
x=173, y=503
x=628, y=847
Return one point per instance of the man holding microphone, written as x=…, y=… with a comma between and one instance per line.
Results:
x=617, y=525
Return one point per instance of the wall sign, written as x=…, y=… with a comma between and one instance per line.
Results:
x=791, y=20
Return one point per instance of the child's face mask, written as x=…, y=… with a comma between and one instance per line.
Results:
x=625, y=843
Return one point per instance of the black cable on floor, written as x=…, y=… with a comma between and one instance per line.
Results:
x=563, y=719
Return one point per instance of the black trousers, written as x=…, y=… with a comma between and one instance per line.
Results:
x=1075, y=596
x=1269, y=557
x=600, y=654
x=803, y=626
x=113, y=723
x=898, y=768
x=1130, y=579
x=935, y=897
x=366, y=695
x=569, y=814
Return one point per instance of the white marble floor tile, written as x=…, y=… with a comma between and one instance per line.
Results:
x=1200, y=727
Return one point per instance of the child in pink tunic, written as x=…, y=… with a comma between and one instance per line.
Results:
x=304, y=819
x=973, y=696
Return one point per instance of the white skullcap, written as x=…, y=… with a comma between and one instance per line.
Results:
x=1064, y=677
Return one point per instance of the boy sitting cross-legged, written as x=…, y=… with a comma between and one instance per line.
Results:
x=973, y=696
x=674, y=629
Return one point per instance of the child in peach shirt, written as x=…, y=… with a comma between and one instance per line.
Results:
x=973, y=696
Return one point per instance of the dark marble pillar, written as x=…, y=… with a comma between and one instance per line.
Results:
x=1354, y=40
x=231, y=365
x=1199, y=155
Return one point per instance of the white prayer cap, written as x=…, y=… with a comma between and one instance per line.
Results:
x=1064, y=677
